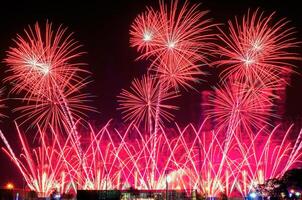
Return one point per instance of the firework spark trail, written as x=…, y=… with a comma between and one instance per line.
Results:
x=240, y=111
x=2, y=102
x=43, y=111
x=141, y=102
x=42, y=168
x=191, y=157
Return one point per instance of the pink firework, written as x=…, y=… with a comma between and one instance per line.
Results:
x=46, y=111
x=144, y=31
x=43, y=168
x=178, y=72
x=266, y=156
x=43, y=61
x=173, y=31
x=44, y=66
x=257, y=47
x=141, y=103
x=240, y=110
x=190, y=158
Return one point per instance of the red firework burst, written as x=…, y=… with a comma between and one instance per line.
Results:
x=51, y=110
x=259, y=47
x=237, y=109
x=142, y=101
x=144, y=31
x=173, y=31
x=178, y=72
x=43, y=61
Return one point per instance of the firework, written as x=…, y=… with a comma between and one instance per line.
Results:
x=177, y=72
x=43, y=168
x=240, y=110
x=144, y=31
x=173, y=31
x=141, y=102
x=46, y=111
x=266, y=156
x=2, y=105
x=232, y=158
x=191, y=157
x=43, y=61
x=259, y=47
x=43, y=66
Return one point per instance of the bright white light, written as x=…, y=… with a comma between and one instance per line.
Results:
x=147, y=36
x=42, y=67
x=256, y=46
x=171, y=44
x=57, y=196
x=169, y=179
x=248, y=61
x=253, y=195
x=298, y=194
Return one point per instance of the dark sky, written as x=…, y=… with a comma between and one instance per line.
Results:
x=103, y=28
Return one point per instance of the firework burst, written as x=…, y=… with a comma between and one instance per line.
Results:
x=46, y=111
x=259, y=47
x=237, y=109
x=173, y=31
x=43, y=61
x=177, y=72
x=141, y=102
x=144, y=31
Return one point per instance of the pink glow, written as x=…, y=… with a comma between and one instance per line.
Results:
x=191, y=157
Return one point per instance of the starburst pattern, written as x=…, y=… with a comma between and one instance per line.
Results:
x=48, y=111
x=173, y=31
x=140, y=103
x=258, y=47
x=43, y=61
x=237, y=109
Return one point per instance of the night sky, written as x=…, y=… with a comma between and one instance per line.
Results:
x=103, y=30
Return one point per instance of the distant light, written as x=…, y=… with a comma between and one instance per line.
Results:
x=253, y=195
x=9, y=186
x=298, y=194
x=283, y=195
x=292, y=191
x=57, y=196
